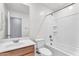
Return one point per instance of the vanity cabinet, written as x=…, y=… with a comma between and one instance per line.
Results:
x=25, y=51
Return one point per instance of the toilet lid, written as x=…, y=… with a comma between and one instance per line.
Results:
x=45, y=51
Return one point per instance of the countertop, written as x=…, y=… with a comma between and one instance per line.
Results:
x=9, y=45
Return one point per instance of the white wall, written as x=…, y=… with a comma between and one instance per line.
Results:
x=25, y=21
x=36, y=19
x=68, y=30
x=2, y=31
x=47, y=29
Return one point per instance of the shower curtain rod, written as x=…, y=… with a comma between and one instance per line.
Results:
x=61, y=9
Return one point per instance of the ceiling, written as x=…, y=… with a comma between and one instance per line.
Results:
x=55, y=6
x=25, y=8
x=17, y=7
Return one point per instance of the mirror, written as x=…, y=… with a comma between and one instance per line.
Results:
x=17, y=20
x=1, y=20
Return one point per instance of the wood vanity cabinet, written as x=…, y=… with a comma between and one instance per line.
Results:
x=25, y=51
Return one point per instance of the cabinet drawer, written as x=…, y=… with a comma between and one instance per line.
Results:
x=18, y=52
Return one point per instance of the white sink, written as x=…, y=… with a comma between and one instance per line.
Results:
x=14, y=44
x=10, y=45
x=6, y=44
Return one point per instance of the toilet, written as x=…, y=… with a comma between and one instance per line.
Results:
x=41, y=49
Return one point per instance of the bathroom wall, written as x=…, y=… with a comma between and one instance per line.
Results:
x=37, y=17
x=67, y=38
x=2, y=30
x=47, y=29
x=25, y=21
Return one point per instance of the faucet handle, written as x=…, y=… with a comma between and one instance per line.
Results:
x=50, y=36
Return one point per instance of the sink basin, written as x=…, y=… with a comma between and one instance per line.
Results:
x=6, y=44
x=15, y=44
x=11, y=44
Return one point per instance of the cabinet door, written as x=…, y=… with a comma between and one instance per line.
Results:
x=19, y=52
x=30, y=54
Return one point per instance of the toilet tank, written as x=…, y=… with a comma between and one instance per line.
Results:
x=40, y=43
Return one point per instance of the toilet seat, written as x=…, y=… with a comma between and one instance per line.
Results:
x=45, y=51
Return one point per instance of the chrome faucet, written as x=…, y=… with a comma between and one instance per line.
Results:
x=16, y=41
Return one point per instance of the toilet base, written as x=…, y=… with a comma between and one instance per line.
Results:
x=38, y=52
x=44, y=52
